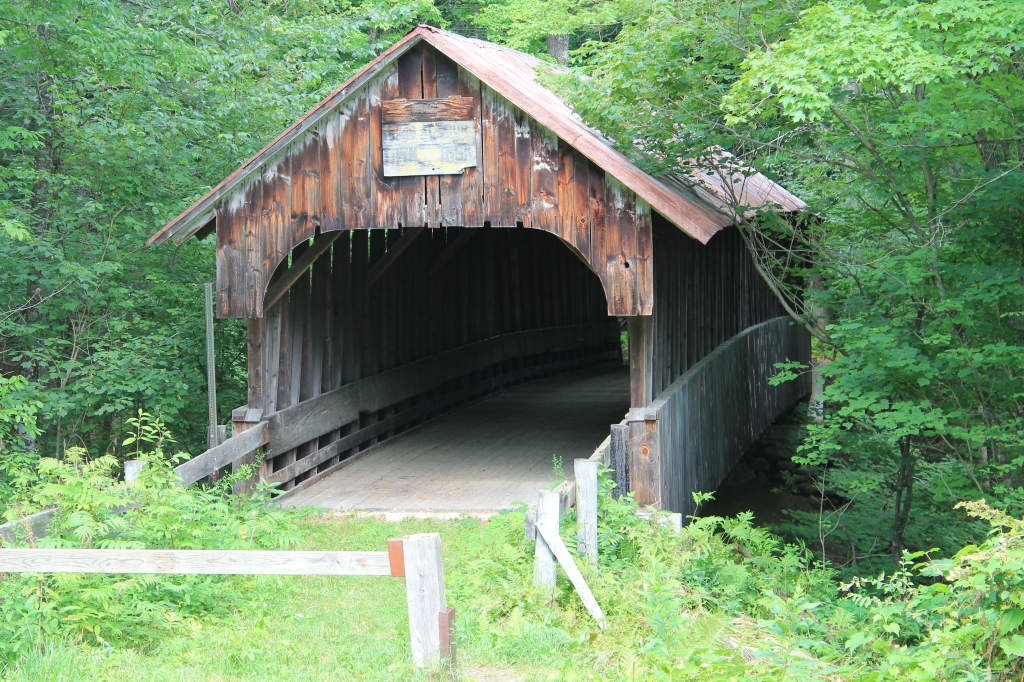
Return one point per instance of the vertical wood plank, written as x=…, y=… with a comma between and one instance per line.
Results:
x=643, y=279
x=489, y=113
x=356, y=184
x=599, y=242
x=410, y=86
x=446, y=84
x=433, y=195
x=331, y=217
x=586, y=505
x=544, y=171
x=387, y=193
x=305, y=186
x=473, y=178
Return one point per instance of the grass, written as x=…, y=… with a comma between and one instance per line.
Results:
x=296, y=628
x=293, y=628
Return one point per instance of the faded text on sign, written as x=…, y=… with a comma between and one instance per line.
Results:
x=428, y=147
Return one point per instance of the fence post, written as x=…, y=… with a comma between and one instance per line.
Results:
x=619, y=447
x=132, y=469
x=424, y=588
x=543, y=559
x=586, y=505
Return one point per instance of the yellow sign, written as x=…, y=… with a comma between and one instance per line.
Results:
x=429, y=147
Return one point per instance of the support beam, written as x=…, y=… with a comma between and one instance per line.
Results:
x=300, y=266
x=452, y=249
x=641, y=360
x=393, y=253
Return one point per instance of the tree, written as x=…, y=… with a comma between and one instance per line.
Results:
x=900, y=124
x=115, y=116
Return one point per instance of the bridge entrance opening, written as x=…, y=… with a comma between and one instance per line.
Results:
x=435, y=370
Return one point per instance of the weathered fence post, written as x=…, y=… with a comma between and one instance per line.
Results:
x=543, y=559
x=424, y=588
x=619, y=447
x=132, y=469
x=586, y=505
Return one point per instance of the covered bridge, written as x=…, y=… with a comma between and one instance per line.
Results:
x=442, y=228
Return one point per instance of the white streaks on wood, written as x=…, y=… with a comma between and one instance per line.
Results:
x=586, y=505
x=543, y=558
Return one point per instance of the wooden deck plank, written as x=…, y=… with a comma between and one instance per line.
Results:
x=485, y=456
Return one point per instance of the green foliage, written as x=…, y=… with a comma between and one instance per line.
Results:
x=96, y=510
x=899, y=124
x=114, y=117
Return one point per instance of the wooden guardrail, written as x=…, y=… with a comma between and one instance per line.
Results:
x=692, y=434
x=417, y=558
x=216, y=458
x=312, y=418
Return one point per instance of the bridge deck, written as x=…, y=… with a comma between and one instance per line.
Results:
x=485, y=456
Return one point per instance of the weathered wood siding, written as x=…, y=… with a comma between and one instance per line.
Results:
x=342, y=363
x=332, y=178
x=706, y=295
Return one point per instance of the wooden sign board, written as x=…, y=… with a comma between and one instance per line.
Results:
x=428, y=136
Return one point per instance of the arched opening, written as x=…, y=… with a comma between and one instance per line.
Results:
x=402, y=335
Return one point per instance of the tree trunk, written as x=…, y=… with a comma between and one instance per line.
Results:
x=558, y=47
x=904, y=498
x=819, y=315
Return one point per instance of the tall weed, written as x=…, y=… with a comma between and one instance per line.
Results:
x=97, y=510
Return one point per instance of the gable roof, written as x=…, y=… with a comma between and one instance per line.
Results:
x=696, y=201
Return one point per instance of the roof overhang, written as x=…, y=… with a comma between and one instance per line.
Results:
x=693, y=201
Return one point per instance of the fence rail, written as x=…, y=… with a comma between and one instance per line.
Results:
x=417, y=558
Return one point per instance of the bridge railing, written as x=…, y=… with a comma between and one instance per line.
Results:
x=692, y=434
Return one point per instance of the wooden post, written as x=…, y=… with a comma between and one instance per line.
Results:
x=424, y=588
x=619, y=446
x=242, y=419
x=586, y=505
x=132, y=469
x=641, y=360
x=644, y=460
x=211, y=378
x=543, y=559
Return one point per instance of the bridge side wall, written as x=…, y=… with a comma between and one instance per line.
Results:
x=341, y=364
x=700, y=366
x=699, y=427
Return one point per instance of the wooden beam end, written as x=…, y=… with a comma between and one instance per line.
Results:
x=396, y=557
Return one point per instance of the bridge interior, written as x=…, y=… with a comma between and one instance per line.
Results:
x=485, y=456
x=392, y=330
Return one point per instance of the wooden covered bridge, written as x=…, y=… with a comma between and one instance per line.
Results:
x=435, y=264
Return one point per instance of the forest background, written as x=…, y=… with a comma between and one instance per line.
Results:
x=901, y=123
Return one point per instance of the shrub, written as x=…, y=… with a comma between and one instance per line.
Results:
x=96, y=510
